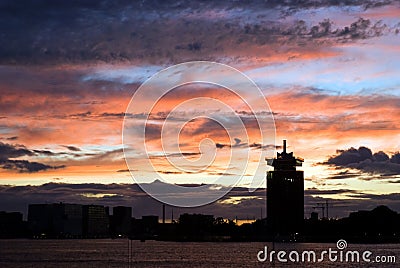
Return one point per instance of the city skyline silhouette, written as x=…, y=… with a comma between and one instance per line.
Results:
x=285, y=221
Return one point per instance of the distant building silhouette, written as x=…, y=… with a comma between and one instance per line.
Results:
x=96, y=222
x=285, y=194
x=380, y=225
x=55, y=220
x=196, y=221
x=314, y=216
x=120, y=222
x=196, y=226
x=145, y=228
x=11, y=224
x=150, y=224
x=40, y=219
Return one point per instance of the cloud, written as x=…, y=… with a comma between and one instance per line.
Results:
x=165, y=32
x=390, y=197
x=345, y=175
x=315, y=191
x=26, y=166
x=12, y=151
x=296, y=5
x=237, y=141
x=45, y=152
x=381, y=156
x=107, y=156
x=126, y=170
x=324, y=31
x=8, y=151
x=255, y=145
x=351, y=156
x=72, y=148
x=220, y=145
x=363, y=159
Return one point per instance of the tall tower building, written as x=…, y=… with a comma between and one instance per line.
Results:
x=285, y=194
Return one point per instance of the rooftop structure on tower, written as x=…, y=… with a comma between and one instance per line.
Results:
x=285, y=193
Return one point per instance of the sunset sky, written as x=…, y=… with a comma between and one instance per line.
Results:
x=330, y=71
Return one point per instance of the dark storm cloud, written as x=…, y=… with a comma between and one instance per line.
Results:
x=364, y=160
x=162, y=32
x=381, y=156
x=351, y=156
x=8, y=152
x=395, y=158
